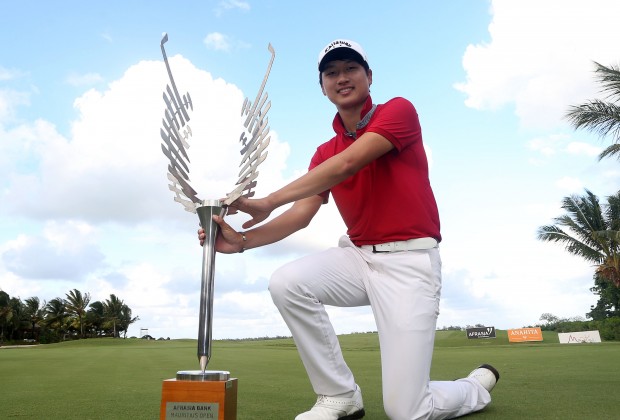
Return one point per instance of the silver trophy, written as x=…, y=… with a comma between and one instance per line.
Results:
x=175, y=134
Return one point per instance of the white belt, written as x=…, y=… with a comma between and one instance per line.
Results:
x=410, y=245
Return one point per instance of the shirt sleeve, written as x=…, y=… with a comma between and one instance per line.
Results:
x=398, y=122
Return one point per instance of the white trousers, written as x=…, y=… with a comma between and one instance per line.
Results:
x=403, y=289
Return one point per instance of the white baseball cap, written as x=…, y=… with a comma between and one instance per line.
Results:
x=342, y=48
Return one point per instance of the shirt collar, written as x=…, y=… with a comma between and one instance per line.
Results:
x=367, y=111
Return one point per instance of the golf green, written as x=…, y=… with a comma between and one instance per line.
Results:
x=122, y=378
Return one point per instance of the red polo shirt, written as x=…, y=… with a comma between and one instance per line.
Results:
x=390, y=199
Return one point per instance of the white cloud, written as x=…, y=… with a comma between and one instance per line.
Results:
x=501, y=281
x=570, y=184
x=612, y=174
x=226, y=5
x=235, y=4
x=84, y=79
x=539, y=57
x=554, y=144
x=220, y=42
x=542, y=145
x=9, y=101
x=580, y=148
x=217, y=41
x=7, y=74
x=64, y=251
x=112, y=168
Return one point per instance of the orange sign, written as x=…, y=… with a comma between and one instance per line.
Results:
x=520, y=335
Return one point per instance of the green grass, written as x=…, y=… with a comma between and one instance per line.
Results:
x=121, y=379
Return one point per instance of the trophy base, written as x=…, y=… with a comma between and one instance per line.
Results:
x=199, y=394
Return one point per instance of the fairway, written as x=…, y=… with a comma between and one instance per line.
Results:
x=121, y=379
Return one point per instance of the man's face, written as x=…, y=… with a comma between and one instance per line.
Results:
x=346, y=83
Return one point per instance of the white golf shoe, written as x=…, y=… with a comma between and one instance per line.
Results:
x=336, y=408
x=487, y=375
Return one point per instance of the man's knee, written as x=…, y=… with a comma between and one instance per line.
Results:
x=282, y=283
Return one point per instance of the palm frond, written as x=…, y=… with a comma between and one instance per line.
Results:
x=612, y=211
x=586, y=228
x=602, y=118
x=610, y=235
x=612, y=150
x=584, y=216
x=598, y=116
x=551, y=233
x=589, y=207
x=577, y=229
x=573, y=245
x=609, y=78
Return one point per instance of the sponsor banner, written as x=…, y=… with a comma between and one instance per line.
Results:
x=481, y=332
x=580, y=337
x=519, y=335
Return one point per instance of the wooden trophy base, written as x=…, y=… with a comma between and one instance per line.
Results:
x=196, y=399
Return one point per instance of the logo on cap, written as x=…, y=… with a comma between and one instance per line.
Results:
x=338, y=43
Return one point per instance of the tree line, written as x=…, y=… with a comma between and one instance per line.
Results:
x=71, y=317
x=590, y=227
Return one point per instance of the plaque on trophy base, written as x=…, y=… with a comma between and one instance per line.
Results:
x=199, y=395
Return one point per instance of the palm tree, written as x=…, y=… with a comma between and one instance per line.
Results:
x=6, y=313
x=14, y=323
x=113, y=311
x=76, y=304
x=56, y=316
x=600, y=116
x=33, y=312
x=126, y=319
x=592, y=232
x=95, y=317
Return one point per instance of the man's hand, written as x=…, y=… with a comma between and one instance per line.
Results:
x=228, y=240
x=259, y=209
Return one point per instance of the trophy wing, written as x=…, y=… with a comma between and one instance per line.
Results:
x=254, y=139
x=175, y=133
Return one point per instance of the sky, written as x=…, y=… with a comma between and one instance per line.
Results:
x=84, y=199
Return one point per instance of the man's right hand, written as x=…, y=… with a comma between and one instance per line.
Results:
x=227, y=241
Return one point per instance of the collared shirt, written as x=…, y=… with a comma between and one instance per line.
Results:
x=391, y=198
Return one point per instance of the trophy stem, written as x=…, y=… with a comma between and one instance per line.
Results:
x=205, y=213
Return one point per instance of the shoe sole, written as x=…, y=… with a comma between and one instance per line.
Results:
x=492, y=369
x=355, y=416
